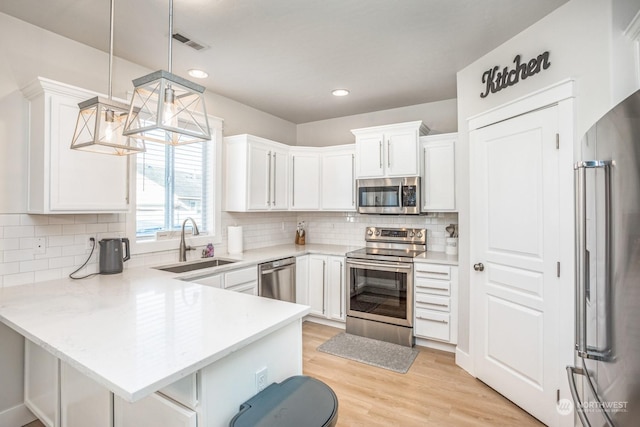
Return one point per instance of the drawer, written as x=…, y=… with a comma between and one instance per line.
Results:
x=433, y=271
x=213, y=281
x=183, y=391
x=432, y=302
x=238, y=277
x=152, y=411
x=437, y=287
x=250, y=288
x=430, y=324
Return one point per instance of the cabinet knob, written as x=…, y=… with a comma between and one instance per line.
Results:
x=478, y=267
x=369, y=232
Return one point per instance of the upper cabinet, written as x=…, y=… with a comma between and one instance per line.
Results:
x=438, y=176
x=338, y=178
x=61, y=180
x=389, y=151
x=257, y=177
x=305, y=178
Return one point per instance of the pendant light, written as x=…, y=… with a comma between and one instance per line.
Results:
x=166, y=108
x=101, y=121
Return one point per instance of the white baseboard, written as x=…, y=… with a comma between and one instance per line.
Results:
x=464, y=361
x=17, y=416
x=326, y=322
x=437, y=345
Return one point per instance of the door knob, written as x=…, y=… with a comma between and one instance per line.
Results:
x=478, y=267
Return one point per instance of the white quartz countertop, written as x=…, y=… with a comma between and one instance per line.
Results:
x=140, y=330
x=143, y=329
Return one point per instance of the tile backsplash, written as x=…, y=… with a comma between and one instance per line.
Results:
x=66, y=238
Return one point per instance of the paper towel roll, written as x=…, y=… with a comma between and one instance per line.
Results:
x=234, y=239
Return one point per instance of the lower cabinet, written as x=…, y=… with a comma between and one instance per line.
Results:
x=241, y=280
x=152, y=411
x=436, y=302
x=41, y=383
x=83, y=401
x=326, y=286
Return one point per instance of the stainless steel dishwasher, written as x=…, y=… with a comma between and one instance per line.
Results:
x=277, y=279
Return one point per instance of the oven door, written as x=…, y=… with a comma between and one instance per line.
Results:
x=380, y=291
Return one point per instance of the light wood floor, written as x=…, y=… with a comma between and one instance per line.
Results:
x=435, y=392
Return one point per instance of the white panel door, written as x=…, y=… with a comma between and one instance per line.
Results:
x=335, y=288
x=259, y=176
x=369, y=155
x=515, y=216
x=152, y=411
x=317, y=284
x=41, y=382
x=280, y=180
x=438, y=178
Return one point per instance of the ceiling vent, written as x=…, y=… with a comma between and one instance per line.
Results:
x=188, y=41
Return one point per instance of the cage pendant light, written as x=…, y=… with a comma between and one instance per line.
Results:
x=101, y=121
x=166, y=108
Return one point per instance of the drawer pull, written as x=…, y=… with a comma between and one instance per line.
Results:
x=433, y=287
x=435, y=303
x=434, y=272
x=432, y=320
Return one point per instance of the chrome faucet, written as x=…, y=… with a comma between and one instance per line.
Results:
x=183, y=245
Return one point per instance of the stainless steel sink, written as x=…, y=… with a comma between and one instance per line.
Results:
x=182, y=268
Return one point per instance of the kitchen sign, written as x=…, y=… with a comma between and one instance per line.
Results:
x=497, y=80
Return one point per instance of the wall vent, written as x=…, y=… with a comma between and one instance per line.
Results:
x=188, y=41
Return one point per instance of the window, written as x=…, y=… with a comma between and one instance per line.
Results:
x=171, y=184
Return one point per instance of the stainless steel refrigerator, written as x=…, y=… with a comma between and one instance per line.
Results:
x=605, y=381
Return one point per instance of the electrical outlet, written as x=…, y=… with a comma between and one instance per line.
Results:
x=89, y=244
x=261, y=379
x=39, y=245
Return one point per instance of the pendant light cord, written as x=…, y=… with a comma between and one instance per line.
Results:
x=170, y=32
x=112, y=8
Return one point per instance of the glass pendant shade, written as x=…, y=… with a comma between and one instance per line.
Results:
x=168, y=109
x=99, y=128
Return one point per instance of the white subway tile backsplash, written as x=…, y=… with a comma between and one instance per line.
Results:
x=73, y=250
x=18, y=255
x=36, y=265
x=18, y=279
x=48, y=230
x=74, y=229
x=61, y=219
x=9, y=219
x=26, y=219
x=58, y=262
x=41, y=276
x=85, y=219
x=61, y=240
x=19, y=231
x=9, y=244
x=9, y=268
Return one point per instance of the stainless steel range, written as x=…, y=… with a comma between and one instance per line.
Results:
x=380, y=277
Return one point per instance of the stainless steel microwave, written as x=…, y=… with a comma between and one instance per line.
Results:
x=392, y=196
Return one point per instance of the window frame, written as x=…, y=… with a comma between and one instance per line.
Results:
x=214, y=234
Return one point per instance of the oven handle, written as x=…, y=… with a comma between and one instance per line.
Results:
x=400, y=266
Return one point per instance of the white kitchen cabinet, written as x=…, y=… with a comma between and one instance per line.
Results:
x=305, y=179
x=436, y=302
x=438, y=174
x=338, y=178
x=215, y=280
x=41, y=384
x=62, y=180
x=152, y=411
x=327, y=287
x=242, y=280
x=389, y=151
x=302, y=279
x=83, y=401
x=256, y=172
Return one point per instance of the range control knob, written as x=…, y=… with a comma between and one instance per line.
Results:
x=377, y=232
x=411, y=234
x=419, y=234
x=369, y=232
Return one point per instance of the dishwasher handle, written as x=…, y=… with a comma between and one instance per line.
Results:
x=268, y=267
x=272, y=270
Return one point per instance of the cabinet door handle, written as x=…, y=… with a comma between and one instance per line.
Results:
x=341, y=289
x=323, y=288
x=275, y=177
x=388, y=152
x=293, y=181
x=269, y=182
x=380, y=154
x=353, y=180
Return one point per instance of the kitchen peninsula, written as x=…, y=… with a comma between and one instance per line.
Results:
x=148, y=340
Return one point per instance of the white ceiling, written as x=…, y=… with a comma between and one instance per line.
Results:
x=285, y=56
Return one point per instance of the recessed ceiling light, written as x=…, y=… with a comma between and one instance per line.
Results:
x=198, y=74
x=340, y=92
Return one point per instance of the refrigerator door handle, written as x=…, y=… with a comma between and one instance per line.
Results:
x=582, y=257
x=571, y=373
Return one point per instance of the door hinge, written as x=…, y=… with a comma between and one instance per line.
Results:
x=558, y=269
x=557, y=141
x=558, y=396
